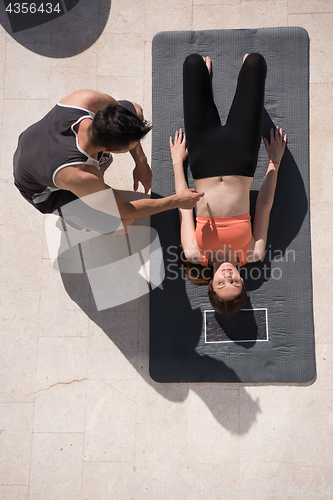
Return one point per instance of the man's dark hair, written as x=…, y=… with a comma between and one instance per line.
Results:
x=115, y=127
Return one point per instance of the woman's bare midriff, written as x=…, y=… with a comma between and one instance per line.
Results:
x=225, y=196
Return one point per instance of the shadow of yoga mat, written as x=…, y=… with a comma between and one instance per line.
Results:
x=188, y=344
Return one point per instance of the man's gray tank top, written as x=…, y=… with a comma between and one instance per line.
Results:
x=48, y=146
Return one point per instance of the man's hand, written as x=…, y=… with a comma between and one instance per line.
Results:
x=188, y=198
x=142, y=173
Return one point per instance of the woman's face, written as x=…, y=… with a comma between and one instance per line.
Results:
x=227, y=283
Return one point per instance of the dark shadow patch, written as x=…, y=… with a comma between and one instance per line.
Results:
x=71, y=26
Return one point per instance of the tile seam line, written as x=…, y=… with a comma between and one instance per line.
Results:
x=308, y=13
x=107, y=462
x=85, y=416
x=23, y=485
x=32, y=426
x=57, y=432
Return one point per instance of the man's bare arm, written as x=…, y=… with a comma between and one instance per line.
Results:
x=88, y=99
x=87, y=183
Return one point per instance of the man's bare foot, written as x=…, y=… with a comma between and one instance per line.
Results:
x=208, y=62
x=245, y=56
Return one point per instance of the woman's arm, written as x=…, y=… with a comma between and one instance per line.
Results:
x=275, y=149
x=187, y=226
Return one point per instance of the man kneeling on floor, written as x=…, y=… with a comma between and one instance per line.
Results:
x=62, y=158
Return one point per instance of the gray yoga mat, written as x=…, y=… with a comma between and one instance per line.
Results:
x=272, y=339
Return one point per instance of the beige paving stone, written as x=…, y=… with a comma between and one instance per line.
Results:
x=64, y=303
x=20, y=216
x=1, y=120
x=319, y=28
x=148, y=82
x=21, y=247
x=144, y=324
x=19, y=333
x=309, y=7
x=14, y=492
x=27, y=74
x=60, y=408
x=15, y=449
x=313, y=477
x=213, y=418
x=268, y=438
x=121, y=55
x=65, y=316
x=29, y=111
x=324, y=366
x=265, y=479
x=63, y=272
x=160, y=445
x=213, y=480
x=120, y=173
x=321, y=241
x=216, y=2
x=56, y=466
x=262, y=14
x=312, y=424
x=85, y=60
x=18, y=367
x=159, y=403
x=321, y=303
x=110, y=421
x=19, y=311
x=64, y=81
x=216, y=16
x=167, y=16
x=106, y=480
x=57, y=322
x=61, y=361
x=125, y=16
x=127, y=88
x=17, y=274
x=167, y=481
x=2, y=57
x=321, y=146
x=112, y=347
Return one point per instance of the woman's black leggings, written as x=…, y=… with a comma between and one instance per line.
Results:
x=230, y=149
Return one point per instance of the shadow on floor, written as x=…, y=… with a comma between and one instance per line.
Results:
x=118, y=324
x=70, y=29
x=287, y=215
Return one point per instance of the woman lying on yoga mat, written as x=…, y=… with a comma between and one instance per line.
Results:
x=223, y=159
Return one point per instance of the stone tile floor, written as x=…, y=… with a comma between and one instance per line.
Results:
x=80, y=418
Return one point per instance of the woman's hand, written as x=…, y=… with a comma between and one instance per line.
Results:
x=178, y=148
x=277, y=144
